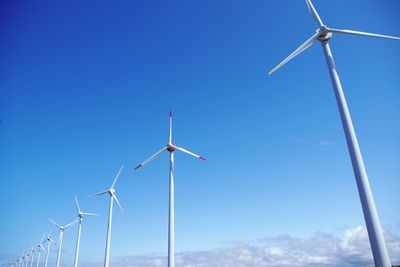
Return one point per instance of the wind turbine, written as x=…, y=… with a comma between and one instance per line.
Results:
x=111, y=192
x=32, y=256
x=60, y=237
x=49, y=240
x=40, y=248
x=26, y=259
x=81, y=214
x=323, y=35
x=22, y=263
x=170, y=147
x=19, y=262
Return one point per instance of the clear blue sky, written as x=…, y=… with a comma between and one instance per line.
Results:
x=86, y=86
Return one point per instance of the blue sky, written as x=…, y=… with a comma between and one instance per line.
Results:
x=87, y=86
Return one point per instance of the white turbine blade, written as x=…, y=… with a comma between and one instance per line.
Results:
x=314, y=12
x=116, y=200
x=77, y=205
x=170, y=128
x=42, y=239
x=351, y=32
x=301, y=48
x=99, y=193
x=116, y=177
x=190, y=153
x=53, y=222
x=90, y=214
x=70, y=224
x=158, y=153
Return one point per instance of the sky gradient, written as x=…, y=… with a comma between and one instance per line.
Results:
x=88, y=86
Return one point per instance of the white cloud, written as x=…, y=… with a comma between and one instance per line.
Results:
x=322, y=250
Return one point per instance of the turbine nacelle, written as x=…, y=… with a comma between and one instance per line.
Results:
x=323, y=34
x=111, y=191
x=171, y=147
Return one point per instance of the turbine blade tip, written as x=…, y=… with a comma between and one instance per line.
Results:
x=138, y=166
x=170, y=113
x=202, y=158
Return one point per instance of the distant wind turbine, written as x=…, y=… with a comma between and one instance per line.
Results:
x=40, y=249
x=81, y=214
x=49, y=240
x=28, y=258
x=170, y=147
x=25, y=259
x=111, y=192
x=22, y=263
x=60, y=238
x=323, y=35
x=32, y=256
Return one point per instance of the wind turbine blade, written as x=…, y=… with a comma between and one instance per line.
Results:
x=53, y=222
x=116, y=200
x=351, y=32
x=90, y=214
x=300, y=49
x=116, y=177
x=42, y=239
x=314, y=12
x=99, y=193
x=77, y=205
x=158, y=153
x=190, y=153
x=170, y=128
x=70, y=224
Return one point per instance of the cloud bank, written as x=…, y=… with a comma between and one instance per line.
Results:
x=322, y=249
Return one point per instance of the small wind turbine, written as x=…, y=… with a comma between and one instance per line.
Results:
x=323, y=35
x=170, y=147
x=111, y=192
x=40, y=249
x=28, y=258
x=49, y=240
x=32, y=256
x=60, y=237
x=21, y=264
x=25, y=259
x=81, y=214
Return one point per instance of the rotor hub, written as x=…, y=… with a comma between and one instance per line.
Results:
x=171, y=147
x=323, y=34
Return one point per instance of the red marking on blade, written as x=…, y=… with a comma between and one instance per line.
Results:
x=170, y=113
x=202, y=158
x=138, y=166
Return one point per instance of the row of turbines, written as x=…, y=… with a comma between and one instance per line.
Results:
x=27, y=259
x=323, y=35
